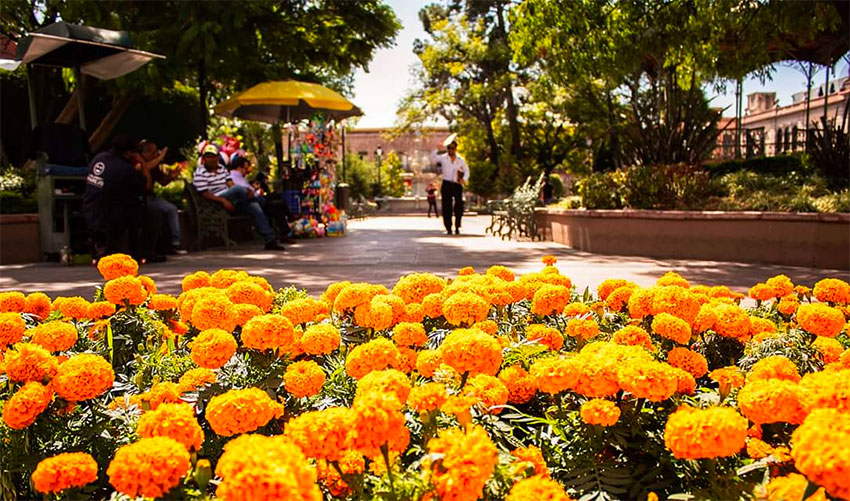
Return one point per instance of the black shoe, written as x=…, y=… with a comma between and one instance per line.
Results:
x=457, y=231
x=448, y=232
x=274, y=246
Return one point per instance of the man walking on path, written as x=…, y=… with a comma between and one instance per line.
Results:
x=455, y=175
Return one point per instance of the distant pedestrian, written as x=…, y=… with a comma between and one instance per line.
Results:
x=455, y=175
x=432, y=199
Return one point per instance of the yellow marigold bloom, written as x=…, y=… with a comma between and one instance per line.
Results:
x=26, y=404
x=212, y=348
x=554, y=374
x=300, y=311
x=100, y=309
x=324, y=434
x=500, y=271
x=38, y=305
x=426, y=398
x=413, y=312
x=610, y=285
x=241, y=411
x=766, y=401
x=195, y=280
x=788, y=305
x=830, y=348
x=761, y=292
x=774, y=367
x=148, y=284
x=732, y=322
x=333, y=290
x=521, y=385
x=268, y=332
x=459, y=406
x=472, y=351
x=488, y=326
x=619, y=298
x=820, y=452
x=820, y=319
x=582, y=328
x=30, y=362
x=671, y=327
x=537, y=487
x=465, y=309
x=14, y=302
x=757, y=448
x=432, y=305
x=706, y=318
x=267, y=468
x=780, y=285
x=320, y=339
x=759, y=325
x=651, y=380
x=162, y=393
x=489, y=391
x=550, y=299
x=414, y=287
x=375, y=355
x=677, y=301
x=116, y=266
x=223, y=279
x=55, y=336
x=75, y=307
x=406, y=359
x=378, y=421
x=547, y=336
x=125, y=289
x=632, y=335
x=193, y=379
x=12, y=328
x=685, y=382
x=827, y=389
x=175, y=421
x=576, y=310
x=832, y=290
x=397, y=306
x=409, y=334
x=242, y=313
x=532, y=457
x=356, y=294
x=468, y=460
x=466, y=271
x=64, y=471
x=673, y=278
x=597, y=366
x=600, y=412
x=689, y=361
x=82, y=377
x=150, y=467
x=705, y=433
x=249, y=293
x=640, y=302
x=427, y=361
x=304, y=379
x=386, y=382
x=792, y=487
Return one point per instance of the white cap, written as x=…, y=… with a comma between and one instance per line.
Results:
x=449, y=140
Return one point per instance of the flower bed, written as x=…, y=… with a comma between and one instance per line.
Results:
x=485, y=386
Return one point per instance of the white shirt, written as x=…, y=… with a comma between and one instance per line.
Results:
x=452, y=168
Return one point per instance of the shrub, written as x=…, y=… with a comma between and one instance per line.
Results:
x=601, y=190
x=778, y=165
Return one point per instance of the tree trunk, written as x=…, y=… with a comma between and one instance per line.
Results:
x=202, y=91
x=513, y=122
x=107, y=125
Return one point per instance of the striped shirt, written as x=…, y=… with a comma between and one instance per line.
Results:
x=216, y=181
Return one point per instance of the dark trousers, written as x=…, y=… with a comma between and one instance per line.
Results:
x=432, y=202
x=452, y=195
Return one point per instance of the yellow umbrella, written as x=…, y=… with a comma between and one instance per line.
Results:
x=287, y=101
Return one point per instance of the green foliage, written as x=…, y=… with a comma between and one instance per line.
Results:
x=358, y=173
x=392, y=183
x=601, y=190
x=779, y=165
x=666, y=186
x=18, y=191
x=830, y=151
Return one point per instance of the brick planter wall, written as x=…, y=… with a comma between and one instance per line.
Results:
x=19, y=241
x=793, y=239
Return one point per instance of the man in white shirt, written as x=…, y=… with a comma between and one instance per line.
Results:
x=455, y=175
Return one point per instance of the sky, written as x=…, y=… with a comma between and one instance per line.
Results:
x=379, y=92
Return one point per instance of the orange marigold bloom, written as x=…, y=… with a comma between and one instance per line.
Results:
x=162, y=302
x=249, y=293
x=125, y=289
x=195, y=281
x=82, y=377
x=165, y=392
x=619, y=298
x=632, y=335
x=427, y=361
x=788, y=305
x=766, y=401
x=520, y=384
x=223, y=279
x=320, y=339
x=780, y=285
x=473, y=351
x=757, y=448
x=193, y=379
x=610, y=285
x=268, y=332
x=242, y=313
x=413, y=312
x=26, y=404
x=532, y=457
x=414, y=287
x=14, y=302
x=409, y=334
x=820, y=452
x=705, y=433
x=640, y=302
x=774, y=367
x=64, y=471
x=488, y=326
x=100, y=309
x=356, y=294
x=830, y=348
x=300, y=311
x=685, y=382
x=464, y=308
x=549, y=260
x=324, y=434
x=214, y=312
x=426, y=398
x=547, y=336
x=116, y=266
x=304, y=379
x=673, y=278
x=706, y=318
x=554, y=374
x=500, y=271
x=378, y=421
x=241, y=411
x=820, y=319
x=75, y=307
x=333, y=290
x=537, y=487
x=827, y=389
x=150, y=467
x=175, y=421
x=791, y=486
x=582, y=328
x=600, y=412
x=759, y=325
x=489, y=391
x=375, y=355
x=671, y=327
x=550, y=299
x=212, y=348
x=459, y=406
x=677, y=301
x=148, y=284
x=432, y=305
x=689, y=361
x=732, y=322
x=30, y=362
x=832, y=290
x=37, y=304
x=576, y=310
x=55, y=336
x=469, y=458
x=466, y=271
x=386, y=382
x=12, y=328
x=761, y=292
x=654, y=381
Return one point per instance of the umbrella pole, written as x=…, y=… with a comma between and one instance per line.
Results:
x=78, y=76
x=31, y=93
x=342, y=126
x=278, y=149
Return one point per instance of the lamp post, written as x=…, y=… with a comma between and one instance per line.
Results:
x=379, y=153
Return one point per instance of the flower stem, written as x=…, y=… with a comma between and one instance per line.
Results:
x=386, y=453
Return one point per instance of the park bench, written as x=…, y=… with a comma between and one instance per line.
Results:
x=513, y=217
x=210, y=218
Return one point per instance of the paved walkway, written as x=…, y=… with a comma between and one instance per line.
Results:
x=381, y=249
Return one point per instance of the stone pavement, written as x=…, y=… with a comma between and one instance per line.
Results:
x=381, y=249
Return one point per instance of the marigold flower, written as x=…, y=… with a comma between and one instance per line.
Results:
x=827, y=389
x=195, y=281
x=164, y=392
x=320, y=339
x=632, y=335
x=600, y=412
x=82, y=377
x=432, y=305
x=38, y=305
x=375, y=355
x=619, y=298
x=792, y=486
x=12, y=328
x=582, y=328
x=212, y=348
x=13, y=302
x=533, y=457
x=213, y=312
x=304, y=379
x=502, y=272
x=162, y=302
x=652, y=380
x=673, y=278
x=175, y=421
x=100, y=309
x=547, y=336
x=685, y=382
x=766, y=401
x=268, y=332
x=426, y=398
x=427, y=361
x=830, y=348
x=549, y=260
x=386, y=382
x=705, y=433
x=30, y=362
x=148, y=284
x=249, y=293
x=355, y=295
x=489, y=391
x=554, y=374
x=671, y=327
x=761, y=292
x=537, y=487
x=26, y=404
x=75, y=307
x=788, y=305
x=732, y=322
x=640, y=302
x=780, y=285
x=333, y=290
x=820, y=452
x=324, y=434
x=224, y=278
x=757, y=448
x=820, y=319
x=116, y=266
x=689, y=361
x=473, y=351
x=774, y=367
x=677, y=301
x=409, y=334
x=127, y=289
x=610, y=285
x=832, y=290
x=550, y=299
x=55, y=336
x=300, y=311
x=468, y=460
x=465, y=309
x=150, y=467
x=241, y=411
x=488, y=326
x=64, y=471
x=193, y=379
x=521, y=385
x=378, y=421
x=759, y=325
x=706, y=318
x=459, y=406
